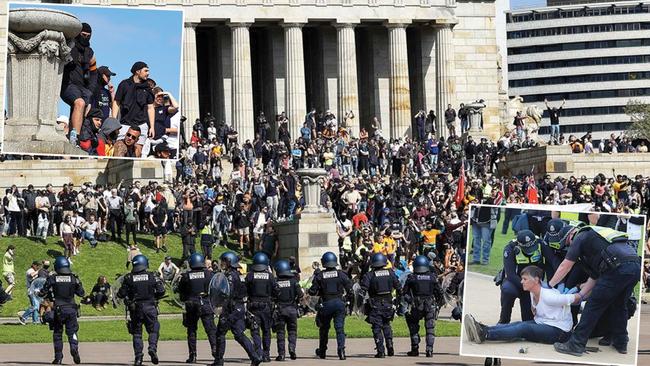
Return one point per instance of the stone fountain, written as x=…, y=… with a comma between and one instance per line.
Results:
x=314, y=232
x=38, y=49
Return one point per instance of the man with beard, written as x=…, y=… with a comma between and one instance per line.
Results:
x=103, y=93
x=134, y=103
x=79, y=80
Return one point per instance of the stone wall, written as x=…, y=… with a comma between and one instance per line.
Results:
x=59, y=172
x=559, y=161
x=3, y=59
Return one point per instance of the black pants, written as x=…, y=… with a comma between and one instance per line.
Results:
x=115, y=223
x=286, y=319
x=263, y=315
x=131, y=229
x=233, y=319
x=428, y=313
x=380, y=316
x=200, y=310
x=147, y=315
x=65, y=316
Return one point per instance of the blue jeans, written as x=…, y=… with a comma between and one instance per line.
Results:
x=555, y=132
x=433, y=160
x=528, y=330
x=482, y=242
x=464, y=124
x=33, y=309
x=90, y=238
x=608, y=303
x=509, y=215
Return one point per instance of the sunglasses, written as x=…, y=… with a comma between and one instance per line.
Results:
x=132, y=136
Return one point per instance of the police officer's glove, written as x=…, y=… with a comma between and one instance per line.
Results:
x=561, y=287
x=571, y=291
x=545, y=285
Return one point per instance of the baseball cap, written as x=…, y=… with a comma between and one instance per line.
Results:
x=553, y=230
x=104, y=70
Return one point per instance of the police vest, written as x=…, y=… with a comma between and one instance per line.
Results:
x=423, y=284
x=237, y=287
x=610, y=235
x=381, y=282
x=287, y=293
x=331, y=284
x=522, y=258
x=198, y=282
x=63, y=288
x=593, y=263
x=142, y=286
x=259, y=285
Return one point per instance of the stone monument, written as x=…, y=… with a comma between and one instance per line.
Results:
x=475, y=117
x=38, y=49
x=314, y=232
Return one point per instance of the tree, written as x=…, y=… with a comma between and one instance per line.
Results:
x=639, y=113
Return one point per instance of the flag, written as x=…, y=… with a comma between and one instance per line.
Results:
x=498, y=200
x=531, y=193
x=460, y=191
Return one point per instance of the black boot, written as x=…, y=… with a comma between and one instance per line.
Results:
x=75, y=357
x=191, y=359
x=266, y=358
x=342, y=354
x=605, y=341
x=320, y=354
x=414, y=352
x=380, y=354
x=217, y=362
x=138, y=361
x=292, y=355
x=154, y=357
x=280, y=358
x=390, y=351
x=57, y=361
x=429, y=353
x=256, y=361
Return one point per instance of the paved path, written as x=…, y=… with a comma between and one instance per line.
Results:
x=483, y=303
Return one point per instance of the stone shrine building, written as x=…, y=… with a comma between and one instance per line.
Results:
x=384, y=58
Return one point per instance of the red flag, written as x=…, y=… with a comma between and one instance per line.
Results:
x=460, y=192
x=498, y=200
x=531, y=194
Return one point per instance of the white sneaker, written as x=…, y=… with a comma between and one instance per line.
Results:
x=21, y=320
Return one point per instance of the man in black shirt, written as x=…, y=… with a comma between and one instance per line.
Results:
x=103, y=93
x=134, y=102
x=554, y=116
x=79, y=80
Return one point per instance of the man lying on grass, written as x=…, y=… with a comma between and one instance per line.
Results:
x=551, y=309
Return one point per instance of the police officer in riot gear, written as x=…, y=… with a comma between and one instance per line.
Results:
x=261, y=288
x=141, y=290
x=193, y=289
x=423, y=292
x=286, y=311
x=379, y=285
x=234, y=312
x=331, y=285
x=517, y=255
x=61, y=288
x=614, y=269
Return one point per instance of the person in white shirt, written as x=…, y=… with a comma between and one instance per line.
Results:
x=168, y=270
x=78, y=235
x=552, y=311
x=90, y=228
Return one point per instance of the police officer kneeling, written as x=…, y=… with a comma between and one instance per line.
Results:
x=517, y=255
x=614, y=269
x=193, y=289
x=379, y=285
x=423, y=291
x=61, y=287
x=261, y=287
x=331, y=284
x=140, y=290
x=286, y=312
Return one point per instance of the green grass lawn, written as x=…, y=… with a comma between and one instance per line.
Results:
x=172, y=329
x=106, y=259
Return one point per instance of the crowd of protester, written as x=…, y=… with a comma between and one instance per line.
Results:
x=136, y=119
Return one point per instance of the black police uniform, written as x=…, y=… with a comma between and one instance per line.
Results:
x=423, y=292
x=193, y=290
x=62, y=288
x=261, y=287
x=379, y=285
x=233, y=318
x=286, y=313
x=331, y=284
x=514, y=261
x=616, y=267
x=140, y=291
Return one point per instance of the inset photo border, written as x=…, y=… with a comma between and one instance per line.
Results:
x=537, y=237
x=93, y=81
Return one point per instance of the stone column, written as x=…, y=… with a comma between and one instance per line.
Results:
x=37, y=50
x=242, y=83
x=400, y=94
x=347, y=88
x=294, y=91
x=190, y=87
x=445, y=75
x=311, y=179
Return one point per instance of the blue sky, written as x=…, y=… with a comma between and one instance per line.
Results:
x=122, y=36
x=522, y=4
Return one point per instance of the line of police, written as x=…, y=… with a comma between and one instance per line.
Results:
x=271, y=302
x=607, y=270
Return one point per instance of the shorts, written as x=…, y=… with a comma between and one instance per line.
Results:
x=159, y=231
x=144, y=129
x=243, y=231
x=73, y=92
x=10, y=278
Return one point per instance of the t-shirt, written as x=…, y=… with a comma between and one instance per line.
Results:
x=430, y=235
x=91, y=228
x=553, y=309
x=172, y=139
x=554, y=115
x=8, y=263
x=114, y=202
x=162, y=121
x=103, y=100
x=133, y=100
